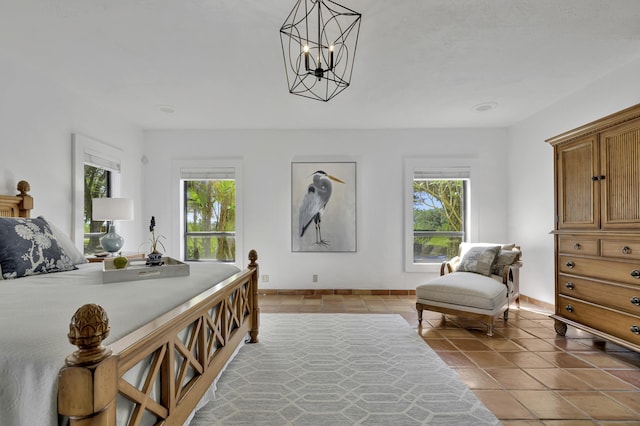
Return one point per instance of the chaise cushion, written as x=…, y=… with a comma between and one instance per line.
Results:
x=464, y=289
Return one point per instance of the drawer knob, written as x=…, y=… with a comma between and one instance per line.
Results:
x=569, y=308
x=635, y=273
x=570, y=265
x=635, y=300
x=626, y=250
x=635, y=329
x=577, y=246
x=570, y=286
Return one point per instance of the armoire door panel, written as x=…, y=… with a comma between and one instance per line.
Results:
x=578, y=191
x=620, y=169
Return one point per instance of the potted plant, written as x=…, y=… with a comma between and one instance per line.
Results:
x=154, y=258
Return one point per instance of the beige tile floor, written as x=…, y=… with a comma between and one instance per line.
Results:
x=525, y=374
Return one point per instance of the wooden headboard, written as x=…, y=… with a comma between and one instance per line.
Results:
x=17, y=205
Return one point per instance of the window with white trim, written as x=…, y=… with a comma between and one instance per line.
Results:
x=436, y=214
x=209, y=213
x=96, y=174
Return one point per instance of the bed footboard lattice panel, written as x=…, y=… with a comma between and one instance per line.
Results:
x=159, y=373
x=158, y=383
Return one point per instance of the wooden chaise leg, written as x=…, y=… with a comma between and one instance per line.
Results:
x=490, y=328
x=419, y=316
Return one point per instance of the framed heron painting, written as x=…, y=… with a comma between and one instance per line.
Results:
x=323, y=207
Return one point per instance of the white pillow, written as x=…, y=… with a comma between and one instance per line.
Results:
x=67, y=245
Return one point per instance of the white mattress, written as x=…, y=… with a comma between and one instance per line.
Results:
x=34, y=322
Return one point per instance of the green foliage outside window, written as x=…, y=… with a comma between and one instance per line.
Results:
x=210, y=207
x=96, y=185
x=438, y=206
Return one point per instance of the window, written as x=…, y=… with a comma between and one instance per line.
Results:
x=209, y=220
x=210, y=209
x=96, y=173
x=436, y=213
x=438, y=218
x=97, y=184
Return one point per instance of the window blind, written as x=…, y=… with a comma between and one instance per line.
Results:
x=101, y=162
x=211, y=173
x=462, y=172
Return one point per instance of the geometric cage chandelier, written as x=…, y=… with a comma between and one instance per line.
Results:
x=319, y=40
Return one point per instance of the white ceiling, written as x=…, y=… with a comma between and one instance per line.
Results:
x=419, y=63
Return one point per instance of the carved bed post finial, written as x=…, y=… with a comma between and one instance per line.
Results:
x=23, y=187
x=253, y=257
x=88, y=328
x=26, y=205
x=88, y=384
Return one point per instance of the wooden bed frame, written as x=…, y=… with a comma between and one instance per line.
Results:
x=187, y=348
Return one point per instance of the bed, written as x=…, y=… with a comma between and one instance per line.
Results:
x=147, y=351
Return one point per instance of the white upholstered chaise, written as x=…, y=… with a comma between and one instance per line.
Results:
x=480, y=289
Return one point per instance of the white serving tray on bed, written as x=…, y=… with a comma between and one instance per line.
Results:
x=137, y=270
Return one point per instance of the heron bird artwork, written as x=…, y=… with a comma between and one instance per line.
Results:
x=314, y=202
x=323, y=207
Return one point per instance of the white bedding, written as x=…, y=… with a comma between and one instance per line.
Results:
x=34, y=321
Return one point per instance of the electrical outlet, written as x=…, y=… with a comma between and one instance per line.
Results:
x=314, y=278
x=265, y=278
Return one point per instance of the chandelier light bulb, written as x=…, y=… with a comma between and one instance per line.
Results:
x=306, y=57
x=331, y=56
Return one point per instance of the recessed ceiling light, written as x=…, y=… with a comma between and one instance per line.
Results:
x=485, y=106
x=166, y=109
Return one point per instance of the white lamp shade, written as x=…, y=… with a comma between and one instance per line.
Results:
x=112, y=209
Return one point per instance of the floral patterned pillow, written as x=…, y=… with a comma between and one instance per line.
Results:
x=28, y=247
x=479, y=260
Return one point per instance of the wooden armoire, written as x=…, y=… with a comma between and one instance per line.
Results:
x=597, y=228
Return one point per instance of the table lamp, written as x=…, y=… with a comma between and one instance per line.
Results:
x=112, y=209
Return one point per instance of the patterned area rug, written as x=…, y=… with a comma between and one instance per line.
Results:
x=340, y=369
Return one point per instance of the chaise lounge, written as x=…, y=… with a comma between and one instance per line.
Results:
x=480, y=283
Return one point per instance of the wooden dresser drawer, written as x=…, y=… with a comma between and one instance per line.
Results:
x=625, y=298
x=575, y=244
x=620, y=249
x=619, y=324
x=606, y=269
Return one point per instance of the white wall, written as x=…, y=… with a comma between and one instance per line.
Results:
x=379, y=154
x=37, y=119
x=530, y=174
